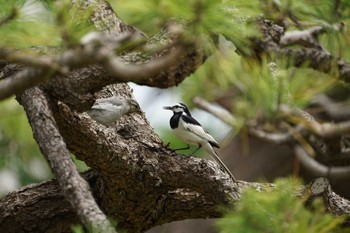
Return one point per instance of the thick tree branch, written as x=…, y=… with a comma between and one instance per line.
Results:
x=74, y=187
x=133, y=161
x=104, y=17
x=23, y=208
x=36, y=208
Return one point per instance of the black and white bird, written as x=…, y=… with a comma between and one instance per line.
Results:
x=191, y=132
x=109, y=110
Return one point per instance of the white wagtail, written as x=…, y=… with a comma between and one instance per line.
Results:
x=191, y=132
x=109, y=110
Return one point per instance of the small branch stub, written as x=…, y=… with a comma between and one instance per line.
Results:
x=319, y=186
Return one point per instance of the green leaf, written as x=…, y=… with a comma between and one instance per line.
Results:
x=278, y=211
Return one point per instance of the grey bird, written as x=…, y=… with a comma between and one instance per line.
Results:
x=108, y=110
x=191, y=132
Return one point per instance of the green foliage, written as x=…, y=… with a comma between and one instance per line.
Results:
x=93, y=229
x=258, y=91
x=278, y=211
x=31, y=25
x=307, y=11
x=320, y=11
x=78, y=229
x=81, y=165
x=202, y=18
x=333, y=16
x=73, y=22
x=18, y=150
x=42, y=23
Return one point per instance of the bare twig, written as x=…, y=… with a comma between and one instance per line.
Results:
x=32, y=61
x=75, y=189
x=337, y=111
x=229, y=119
x=79, y=57
x=22, y=80
x=215, y=109
x=319, y=169
x=278, y=138
x=135, y=73
x=307, y=38
x=325, y=130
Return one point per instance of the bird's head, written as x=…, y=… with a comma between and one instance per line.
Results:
x=178, y=108
x=134, y=106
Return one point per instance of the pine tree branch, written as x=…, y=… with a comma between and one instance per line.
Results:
x=75, y=189
x=84, y=56
x=313, y=57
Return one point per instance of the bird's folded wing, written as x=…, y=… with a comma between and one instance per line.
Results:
x=193, y=126
x=106, y=103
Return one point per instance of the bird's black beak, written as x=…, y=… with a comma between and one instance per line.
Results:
x=167, y=107
x=138, y=111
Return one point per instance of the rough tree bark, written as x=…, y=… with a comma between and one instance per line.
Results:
x=75, y=189
x=134, y=178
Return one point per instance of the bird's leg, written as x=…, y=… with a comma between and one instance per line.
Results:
x=185, y=148
x=196, y=150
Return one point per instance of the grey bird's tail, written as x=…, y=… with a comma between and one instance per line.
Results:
x=215, y=156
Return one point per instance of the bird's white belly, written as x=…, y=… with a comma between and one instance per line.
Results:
x=188, y=137
x=107, y=115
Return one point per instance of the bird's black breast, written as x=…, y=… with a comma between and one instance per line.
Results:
x=174, y=120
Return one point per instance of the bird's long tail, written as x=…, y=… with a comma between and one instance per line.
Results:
x=215, y=156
